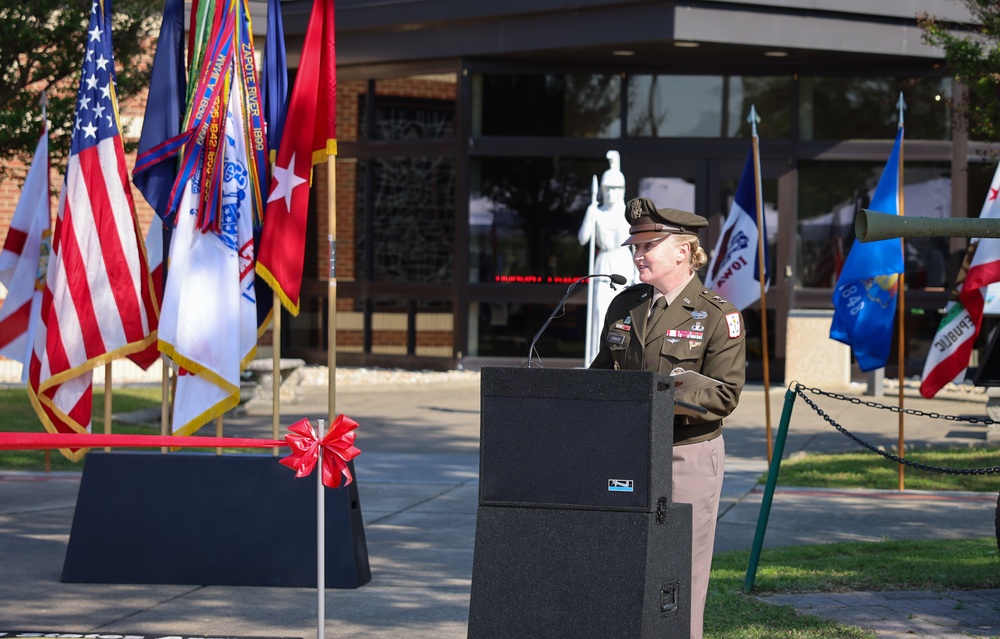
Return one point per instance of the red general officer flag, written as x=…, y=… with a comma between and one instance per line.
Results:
x=314, y=100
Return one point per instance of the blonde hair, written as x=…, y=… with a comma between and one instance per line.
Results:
x=699, y=257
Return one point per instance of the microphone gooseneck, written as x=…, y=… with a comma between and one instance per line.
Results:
x=615, y=279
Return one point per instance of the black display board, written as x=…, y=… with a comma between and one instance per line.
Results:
x=205, y=519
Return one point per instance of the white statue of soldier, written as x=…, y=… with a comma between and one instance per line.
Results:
x=604, y=228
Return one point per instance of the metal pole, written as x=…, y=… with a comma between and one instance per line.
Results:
x=772, y=480
x=759, y=203
x=901, y=346
x=320, y=541
x=275, y=367
x=107, y=401
x=331, y=317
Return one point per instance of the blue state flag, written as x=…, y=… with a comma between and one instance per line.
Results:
x=274, y=77
x=156, y=163
x=864, y=300
x=274, y=96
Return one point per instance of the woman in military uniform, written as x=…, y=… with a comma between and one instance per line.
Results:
x=671, y=322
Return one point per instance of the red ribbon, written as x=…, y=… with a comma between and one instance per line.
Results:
x=51, y=441
x=337, y=448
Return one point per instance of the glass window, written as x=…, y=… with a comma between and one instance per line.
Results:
x=830, y=194
x=399, y=118
x=661, y=106
x=505, y=329
x=524, y=218
x=772, y=98
x=579, y=105
x=413, y=218
x=866, y=108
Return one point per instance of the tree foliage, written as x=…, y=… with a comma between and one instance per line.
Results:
x=42, y=44
x=972, y=54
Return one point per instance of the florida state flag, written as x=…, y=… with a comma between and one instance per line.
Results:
x=314, y=100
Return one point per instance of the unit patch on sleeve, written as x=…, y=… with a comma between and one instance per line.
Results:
x=733, y=319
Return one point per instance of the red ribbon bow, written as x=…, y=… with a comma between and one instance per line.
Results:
x=337, y=448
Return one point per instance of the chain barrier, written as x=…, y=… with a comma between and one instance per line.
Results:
x=801, y=390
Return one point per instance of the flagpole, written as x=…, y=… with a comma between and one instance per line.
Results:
x=901, y=355
x=43, y=100
x=753, y=118
x=331, y=212
x=588, y=350
x=107, y=401
x=275, y=367
x=164, y=394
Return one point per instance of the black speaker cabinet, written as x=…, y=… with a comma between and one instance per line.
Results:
x=570, y=438
x=204, y=519
x=576, y=535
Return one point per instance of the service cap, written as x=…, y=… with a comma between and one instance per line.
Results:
x=649, y=223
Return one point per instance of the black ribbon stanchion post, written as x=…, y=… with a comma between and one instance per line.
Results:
x=772, y=480
x=796, y=388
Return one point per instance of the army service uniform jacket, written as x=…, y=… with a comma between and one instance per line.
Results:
x=699, y=331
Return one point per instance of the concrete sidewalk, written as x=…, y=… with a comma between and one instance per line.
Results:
x=418, y=486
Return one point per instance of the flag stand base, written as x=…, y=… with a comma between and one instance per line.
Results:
x=206, y=519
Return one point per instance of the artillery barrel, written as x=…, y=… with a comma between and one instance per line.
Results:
x=870, y=226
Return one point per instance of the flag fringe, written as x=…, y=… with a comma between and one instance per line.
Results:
x=104, y=358
x=197, y=368
x=217, y=410
x=320, y=156
x=272, y=281
x=74, y=455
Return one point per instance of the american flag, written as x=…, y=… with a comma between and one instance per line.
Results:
x=97, y=305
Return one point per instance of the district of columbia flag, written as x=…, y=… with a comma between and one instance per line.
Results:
x=23, y=261
x=312, y=107
x=97, y=305
x=864, y=299
x=209, y=320
x=734, y=272
x=963, y=317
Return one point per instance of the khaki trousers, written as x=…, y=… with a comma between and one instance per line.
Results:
x=697, y=480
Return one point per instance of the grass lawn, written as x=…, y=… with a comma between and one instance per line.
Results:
x=869, y=470
x=730, y=613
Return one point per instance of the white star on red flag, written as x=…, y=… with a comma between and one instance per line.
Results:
x=286, y=181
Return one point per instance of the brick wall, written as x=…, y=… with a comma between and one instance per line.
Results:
x=441, y=88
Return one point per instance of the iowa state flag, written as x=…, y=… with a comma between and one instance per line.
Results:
x=735, y=270
x=864, y=300
x=312, y=140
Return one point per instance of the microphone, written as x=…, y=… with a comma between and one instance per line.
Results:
x=615, y=279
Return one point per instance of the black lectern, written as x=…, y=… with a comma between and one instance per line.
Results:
x=576, y=535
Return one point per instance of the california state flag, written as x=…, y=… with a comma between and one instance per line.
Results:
x=23, y=261
x=949, y=353
x=208, y=323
